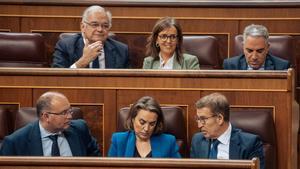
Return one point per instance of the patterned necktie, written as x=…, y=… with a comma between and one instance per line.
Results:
x=214, y=149
x=55, y=149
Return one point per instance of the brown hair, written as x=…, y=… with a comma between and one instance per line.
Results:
x=150, y=104
x=163, y=23
x=217, y=103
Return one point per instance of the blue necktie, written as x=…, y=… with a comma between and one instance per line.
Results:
x=214, y=149
x=55, y=149
x=96, y=63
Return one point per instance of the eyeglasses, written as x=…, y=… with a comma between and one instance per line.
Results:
x=63, y=113
x=165, y=37
x=202, y=119
x=96, y=25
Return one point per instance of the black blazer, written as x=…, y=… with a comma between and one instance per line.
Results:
x=271, y=63
x=242, y=146
x=27, y=141
x=68, y=50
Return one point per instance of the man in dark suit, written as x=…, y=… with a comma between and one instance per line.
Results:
x=54, y=134
x=217, y=138
x=92, y=48
x=256, y=52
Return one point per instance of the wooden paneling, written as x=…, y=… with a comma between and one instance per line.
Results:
x=113, y=89
x=12, y=24
x=133, y=18
x=17, y=96
x=6, y=127
x=123, y=163
x=222, y=21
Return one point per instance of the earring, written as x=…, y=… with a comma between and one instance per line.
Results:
x=157, y=45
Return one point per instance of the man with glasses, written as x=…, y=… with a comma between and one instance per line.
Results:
x=92, y=48
x=256, y=52
x=217, y=138
x=54, y=134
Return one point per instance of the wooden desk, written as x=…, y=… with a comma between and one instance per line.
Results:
x=101, y=93
x=116, y=163
x=134, y=19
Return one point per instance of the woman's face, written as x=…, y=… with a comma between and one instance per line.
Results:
x=167, y=41
x=144, y=124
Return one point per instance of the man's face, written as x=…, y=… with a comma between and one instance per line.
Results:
x=208, y=123
x=96, y=27
x=255, y=50
x=59, y=117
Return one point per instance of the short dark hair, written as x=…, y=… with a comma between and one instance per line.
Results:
x=161, y=24
x=150, y=104
x=217, y=103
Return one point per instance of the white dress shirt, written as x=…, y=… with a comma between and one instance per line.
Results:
x=167, y=65
x=261, y=68
x=63, y=145
x=223, y=147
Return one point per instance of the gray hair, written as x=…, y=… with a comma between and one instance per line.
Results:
x=256, y=31
x=96, y=8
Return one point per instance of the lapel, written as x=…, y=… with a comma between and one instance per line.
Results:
x=234, y=146
x=269, y=63
x=78, y=49
x=34, y=141
x=155, y=64
x=243, y=63
x=204, y=151
x=74, y=141
x=130, y=146
x=156, y=146
x=110, y=54
x=176, y=65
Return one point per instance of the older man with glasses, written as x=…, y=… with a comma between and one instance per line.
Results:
x=92, y=48
x=217, y=138
x=54, y=134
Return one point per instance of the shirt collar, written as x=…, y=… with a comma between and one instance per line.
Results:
x=225, y=137
x=45, y=133
x=261, y=68
x=168, y=64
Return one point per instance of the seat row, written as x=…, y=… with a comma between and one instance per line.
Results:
x=29, y=49
x=257, y=121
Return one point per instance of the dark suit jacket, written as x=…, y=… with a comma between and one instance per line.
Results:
x=68, y=50
x=242, y=146
x=27, y=141
x=162, y=145
x=240, y=63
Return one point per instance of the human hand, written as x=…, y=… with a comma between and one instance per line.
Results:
x=90, y=53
